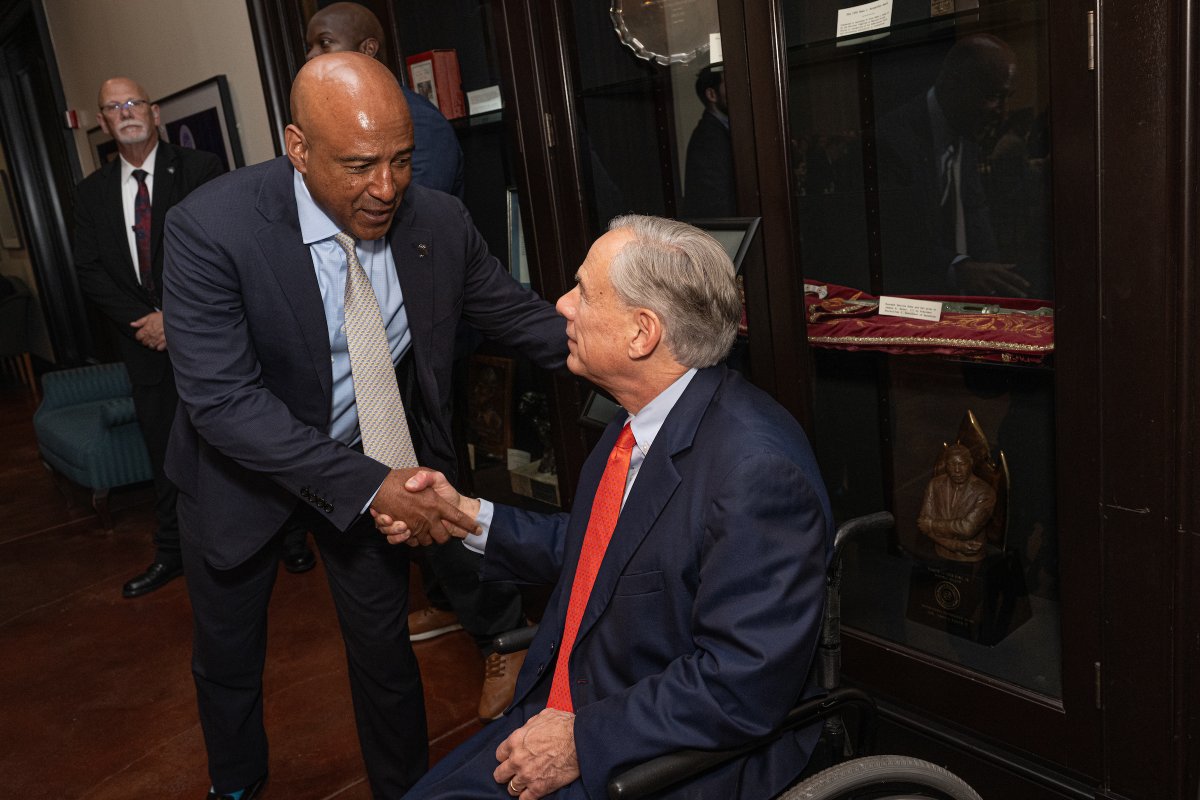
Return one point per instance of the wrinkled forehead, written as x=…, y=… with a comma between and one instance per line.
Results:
x=121, y=89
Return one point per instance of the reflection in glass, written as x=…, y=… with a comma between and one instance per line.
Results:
x=921, y=167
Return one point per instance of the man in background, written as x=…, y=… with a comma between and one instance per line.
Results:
x=450, y=573
x=709, y=189
x=119, y=212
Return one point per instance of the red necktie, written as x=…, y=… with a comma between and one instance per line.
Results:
x=141, y=231
x=606, y=507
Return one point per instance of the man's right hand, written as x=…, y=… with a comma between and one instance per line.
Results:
x=425, y=514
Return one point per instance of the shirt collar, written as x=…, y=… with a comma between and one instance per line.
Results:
x=649, y=421
x=315, y=224
x=147, y=165
x=721, y=118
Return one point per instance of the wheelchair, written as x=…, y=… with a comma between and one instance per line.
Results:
x=853, y=775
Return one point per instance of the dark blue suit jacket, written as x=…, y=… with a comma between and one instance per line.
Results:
x=916, y=253
x=438, y=159
x=252, y=361
x=704, y=618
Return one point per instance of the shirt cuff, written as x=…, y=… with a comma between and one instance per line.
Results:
x=478, y=541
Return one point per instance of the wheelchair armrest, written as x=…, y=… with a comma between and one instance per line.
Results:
x=514, y=640
x=665, y=771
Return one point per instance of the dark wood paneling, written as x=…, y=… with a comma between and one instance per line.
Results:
x=994, y=775
x=1139, y=273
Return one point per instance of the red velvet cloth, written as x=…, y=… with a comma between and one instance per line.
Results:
x=848, y=319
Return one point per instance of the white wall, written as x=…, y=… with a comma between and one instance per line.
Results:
x=166, y=45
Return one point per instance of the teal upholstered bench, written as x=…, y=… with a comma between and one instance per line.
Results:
x=87, y=431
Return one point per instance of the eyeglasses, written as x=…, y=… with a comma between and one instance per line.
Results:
x=128, y=105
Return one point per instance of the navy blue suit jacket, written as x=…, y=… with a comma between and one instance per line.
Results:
x=702, y=624
x=252, y=359
x=916, y=253
x=437, y=159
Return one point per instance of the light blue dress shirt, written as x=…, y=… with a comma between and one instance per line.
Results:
x=329, y=259
x=645, y=426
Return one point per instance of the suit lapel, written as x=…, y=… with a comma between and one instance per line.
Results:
x=165, y=167
x=282, y=249
x=656, y=482
x=114, y=220
x=413, y=252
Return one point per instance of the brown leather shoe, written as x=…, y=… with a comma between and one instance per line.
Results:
x=499, y=682
x=429, y=623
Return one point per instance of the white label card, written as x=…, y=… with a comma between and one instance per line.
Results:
x=714, y=48
x=928, y=310
x=867, y=17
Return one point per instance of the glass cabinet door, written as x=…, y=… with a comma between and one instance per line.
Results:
x=921, y=144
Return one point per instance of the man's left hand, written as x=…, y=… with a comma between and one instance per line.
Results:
x=149, y=331
x=539, y=757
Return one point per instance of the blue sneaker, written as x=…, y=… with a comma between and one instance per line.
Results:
x=249, y=793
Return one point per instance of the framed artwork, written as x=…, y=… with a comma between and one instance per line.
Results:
x=518, y=261
x=489, y=407
x=199, y=117
x=10, y=232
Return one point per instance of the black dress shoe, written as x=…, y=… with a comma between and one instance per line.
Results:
x=249, y=793
x=156, y=576
x=301, y=560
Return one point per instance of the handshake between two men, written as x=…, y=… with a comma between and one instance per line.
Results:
x=420, y=507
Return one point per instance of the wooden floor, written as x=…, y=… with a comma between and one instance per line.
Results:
x=96, y=696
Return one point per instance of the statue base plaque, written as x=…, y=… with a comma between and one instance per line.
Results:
x=983, y=601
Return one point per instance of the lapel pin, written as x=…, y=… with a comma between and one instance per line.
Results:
x=422, y=250
x=170, y=170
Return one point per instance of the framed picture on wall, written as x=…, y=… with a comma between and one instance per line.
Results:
x=489, y=407
x=199, y=117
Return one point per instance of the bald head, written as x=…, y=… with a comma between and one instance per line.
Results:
x=343, y=27
x=351, y=138
x=127, y=115
x=975, y=82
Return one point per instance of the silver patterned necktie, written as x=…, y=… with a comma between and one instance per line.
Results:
x=376, y=395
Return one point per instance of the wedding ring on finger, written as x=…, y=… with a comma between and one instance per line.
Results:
x=512, y=788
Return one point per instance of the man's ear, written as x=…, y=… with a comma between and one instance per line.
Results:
x=649, y=333
x=296, y=147
x=154, y=115
x=710, y=94
x=369, y=46
x=103, y=120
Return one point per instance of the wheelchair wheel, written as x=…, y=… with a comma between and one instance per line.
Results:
x=886, y=777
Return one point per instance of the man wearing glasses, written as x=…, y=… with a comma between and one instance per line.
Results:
x=119, y=212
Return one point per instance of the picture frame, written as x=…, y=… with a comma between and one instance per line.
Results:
x=200, y=117
x=734, y=233
x=518, y=261
x=10, y=231
x=489, y=407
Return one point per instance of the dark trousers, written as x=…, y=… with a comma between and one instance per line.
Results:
x=368, y=579
x=484, y=609
x=155, y=405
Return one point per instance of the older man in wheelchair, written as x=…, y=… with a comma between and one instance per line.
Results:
x=689, y=577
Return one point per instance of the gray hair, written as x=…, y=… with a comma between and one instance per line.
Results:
x=685, y=277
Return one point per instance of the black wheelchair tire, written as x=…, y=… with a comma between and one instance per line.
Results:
x=885, y=776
